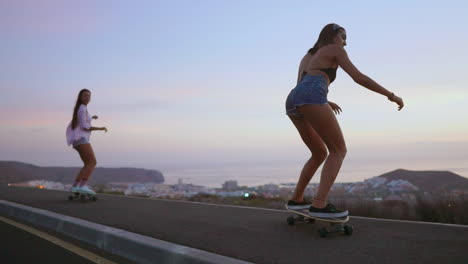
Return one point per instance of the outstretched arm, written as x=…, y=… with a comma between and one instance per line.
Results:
x=95, y=128
x=82, y=114
x=345, y=63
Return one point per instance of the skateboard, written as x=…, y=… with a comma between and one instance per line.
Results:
x=82, y=197
x=336, y=224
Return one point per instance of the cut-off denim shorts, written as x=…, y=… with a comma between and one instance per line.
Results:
x=80, y=141
x=312, y=89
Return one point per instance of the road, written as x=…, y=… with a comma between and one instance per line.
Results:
x=20, y=243
x=258, y=235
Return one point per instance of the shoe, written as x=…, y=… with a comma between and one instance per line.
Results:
x=293, y=205
x=328, y=211
x=75, y=189
x=85, y=189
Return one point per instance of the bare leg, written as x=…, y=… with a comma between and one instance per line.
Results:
x=87, y=155
x=319, y=153
x=80, y=175
x=82, y=170
x=307, y=173
x=323, y=120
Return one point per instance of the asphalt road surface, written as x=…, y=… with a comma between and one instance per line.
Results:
x=257, y=235
x=18, y=246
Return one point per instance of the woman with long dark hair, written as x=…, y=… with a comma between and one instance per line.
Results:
x=314, y=117
x=78, y=133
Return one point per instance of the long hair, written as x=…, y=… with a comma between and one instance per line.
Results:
x=77, y=106
x=326, y=36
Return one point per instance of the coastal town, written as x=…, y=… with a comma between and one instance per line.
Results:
x=375, y=189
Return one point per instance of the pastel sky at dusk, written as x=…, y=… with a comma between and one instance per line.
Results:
x=184, y=84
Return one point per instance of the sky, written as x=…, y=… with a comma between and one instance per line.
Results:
x=202, y=84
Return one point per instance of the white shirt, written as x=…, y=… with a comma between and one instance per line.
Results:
x=84, y=121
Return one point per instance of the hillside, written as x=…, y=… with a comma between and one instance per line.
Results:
x=429, y=181
x=12, y=171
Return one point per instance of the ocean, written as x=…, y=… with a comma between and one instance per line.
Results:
x=254, y=175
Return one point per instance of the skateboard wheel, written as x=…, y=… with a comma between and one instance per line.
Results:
x=290, y=220
x=94, y=198
x=348, y=230
x=311, y=220
x=323, y=232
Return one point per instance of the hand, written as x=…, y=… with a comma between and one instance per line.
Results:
x=95, y=117
x=397, y=100
x=104, y=128
x=336, y=108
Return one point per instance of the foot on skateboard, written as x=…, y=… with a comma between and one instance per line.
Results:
x=336, y=224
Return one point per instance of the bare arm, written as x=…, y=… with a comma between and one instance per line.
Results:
x=82, y=115
x=94, y=128
x=345, y=63
x=358, y=77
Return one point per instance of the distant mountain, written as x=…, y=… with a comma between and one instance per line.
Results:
x=429, y=181
x=404, y=181
x=12, y=171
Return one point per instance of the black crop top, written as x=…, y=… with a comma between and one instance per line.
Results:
x=331, y=72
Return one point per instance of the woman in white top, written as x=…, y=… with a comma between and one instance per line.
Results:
x=78, y=132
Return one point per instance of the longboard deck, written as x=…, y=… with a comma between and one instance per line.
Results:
x=82, y=196
x=336, y=224
x=305, y=213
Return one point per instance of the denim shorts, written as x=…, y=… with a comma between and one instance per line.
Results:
x=312, y=89
x=80, y=141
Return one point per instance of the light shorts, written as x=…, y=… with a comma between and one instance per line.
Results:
x=80, y=141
